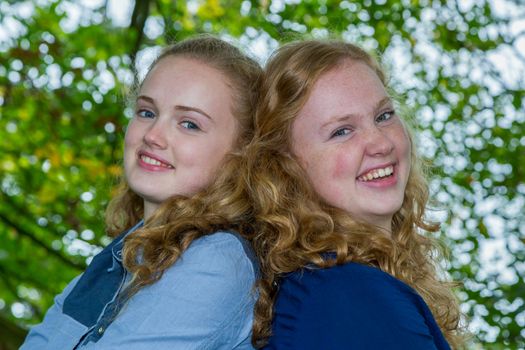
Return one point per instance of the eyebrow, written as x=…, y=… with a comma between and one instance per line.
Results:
x=147, y=98
x=192, y=109
x=177, y=107
x=384, y=101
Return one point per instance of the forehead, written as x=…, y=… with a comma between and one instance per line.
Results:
x=178, y=79
x=181, y=67
x=352, y=80
x=351, y=87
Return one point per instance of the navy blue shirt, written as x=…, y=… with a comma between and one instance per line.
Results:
x=351, y=306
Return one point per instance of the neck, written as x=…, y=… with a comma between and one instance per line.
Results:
x=386, y=228
x=381, y=222
x=149, y=209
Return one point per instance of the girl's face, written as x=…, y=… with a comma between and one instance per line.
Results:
x=352, y=145
x=182, y=129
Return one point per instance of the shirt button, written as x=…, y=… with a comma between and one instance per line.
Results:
x=101, y=330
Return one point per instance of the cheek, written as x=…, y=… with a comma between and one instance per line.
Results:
x=204, y=158
x=198, y=168
x=132, y=134
x=129, y=150
x=341, y=165
x=323, y=169
x=405, y=146
x=326, y=174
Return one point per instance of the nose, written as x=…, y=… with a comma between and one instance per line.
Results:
x=378, y=142
x=155, y=136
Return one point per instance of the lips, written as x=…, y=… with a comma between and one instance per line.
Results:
x=151, y=160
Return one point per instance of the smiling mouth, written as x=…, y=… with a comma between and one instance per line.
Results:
x=155, y=162
x=377, y=174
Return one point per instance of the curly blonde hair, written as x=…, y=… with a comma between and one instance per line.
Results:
x=180, y=220
x=295, y=228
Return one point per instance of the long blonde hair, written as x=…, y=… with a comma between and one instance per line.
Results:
x=180, y=220
x=295, y=228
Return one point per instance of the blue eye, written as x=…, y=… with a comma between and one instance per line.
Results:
x=383, y=117
x=340, y=132
x=189, y=125
x=144, y=113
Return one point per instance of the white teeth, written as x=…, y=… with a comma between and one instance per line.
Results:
x=149, y=160
x=377, y=173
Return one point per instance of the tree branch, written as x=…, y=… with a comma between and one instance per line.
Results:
x=4, y=275
x=11, y=334
x=167, y=12
x=138, y=20
x=24, y=231
x=26, y=279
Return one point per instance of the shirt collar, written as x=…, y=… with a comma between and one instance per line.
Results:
x=119, y=244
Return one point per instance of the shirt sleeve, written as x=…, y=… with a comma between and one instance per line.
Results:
x=204, y=301
x=55, y=322
x=351, y=306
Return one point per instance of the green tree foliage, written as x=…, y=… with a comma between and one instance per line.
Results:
x=65, y=68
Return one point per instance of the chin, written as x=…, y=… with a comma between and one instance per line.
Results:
x=153, y=196
x=387, y=212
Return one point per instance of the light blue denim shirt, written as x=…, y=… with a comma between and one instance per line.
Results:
x=204, y=301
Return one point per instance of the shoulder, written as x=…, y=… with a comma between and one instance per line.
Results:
x=221, y=259
x=43, y=335
x=221, y=238
x=349, y=301
x=220, y=249
x=203, y=299
x=359, y=289
x=350, y=279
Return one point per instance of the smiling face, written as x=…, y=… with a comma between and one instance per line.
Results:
x=181, y=131
x=352, y=145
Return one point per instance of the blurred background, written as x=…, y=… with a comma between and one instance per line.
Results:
x=66, y=66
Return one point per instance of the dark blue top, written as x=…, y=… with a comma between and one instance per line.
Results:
x=351, y=306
